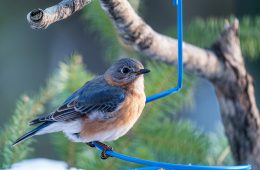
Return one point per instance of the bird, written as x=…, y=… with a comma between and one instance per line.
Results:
x=102, y=110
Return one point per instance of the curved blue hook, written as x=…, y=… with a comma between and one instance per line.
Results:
x=165, y=93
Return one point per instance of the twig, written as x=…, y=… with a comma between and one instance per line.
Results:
x=41, y=19
x=223, y=156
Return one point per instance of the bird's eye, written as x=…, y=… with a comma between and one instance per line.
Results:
x=125, y=70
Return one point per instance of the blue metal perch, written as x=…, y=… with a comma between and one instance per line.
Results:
x=153, y=165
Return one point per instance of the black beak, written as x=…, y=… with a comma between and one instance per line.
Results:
x=142, y=71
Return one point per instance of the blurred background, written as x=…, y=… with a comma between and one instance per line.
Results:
x=29, y=57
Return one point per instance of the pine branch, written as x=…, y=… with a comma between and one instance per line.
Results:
x=27, y=108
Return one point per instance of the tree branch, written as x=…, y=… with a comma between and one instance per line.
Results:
x=135, y=32
x=236, y=97
x=223, y=65
x=41, y=19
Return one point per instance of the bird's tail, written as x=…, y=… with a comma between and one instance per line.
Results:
x=31, y=133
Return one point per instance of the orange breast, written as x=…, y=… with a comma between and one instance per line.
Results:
x=125, y=118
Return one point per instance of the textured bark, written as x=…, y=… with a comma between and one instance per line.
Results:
x=134, y=31
x=223, y=65
x=236, y=96
x=41, y=19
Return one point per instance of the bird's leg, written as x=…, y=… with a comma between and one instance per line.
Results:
x=91, y=144
x=104, y=149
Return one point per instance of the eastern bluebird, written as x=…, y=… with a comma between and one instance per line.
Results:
x=103, y=109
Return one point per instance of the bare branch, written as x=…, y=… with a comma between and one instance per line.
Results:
x=135, y=32
x=41, y=19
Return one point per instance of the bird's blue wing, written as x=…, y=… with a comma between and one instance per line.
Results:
x=93, y=96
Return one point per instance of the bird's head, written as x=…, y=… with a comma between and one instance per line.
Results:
x=125, y=71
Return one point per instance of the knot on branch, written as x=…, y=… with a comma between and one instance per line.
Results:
x=228, y=44
x=36, y=15
x=37, y=19
x=228, y=50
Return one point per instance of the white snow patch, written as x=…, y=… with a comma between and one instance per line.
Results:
x=40, y=164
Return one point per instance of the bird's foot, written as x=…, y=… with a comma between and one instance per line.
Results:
x=104, y=149
x=103, y=153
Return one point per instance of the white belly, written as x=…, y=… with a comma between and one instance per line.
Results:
x=110, y=135
x=69, y=128
x=104, y=136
